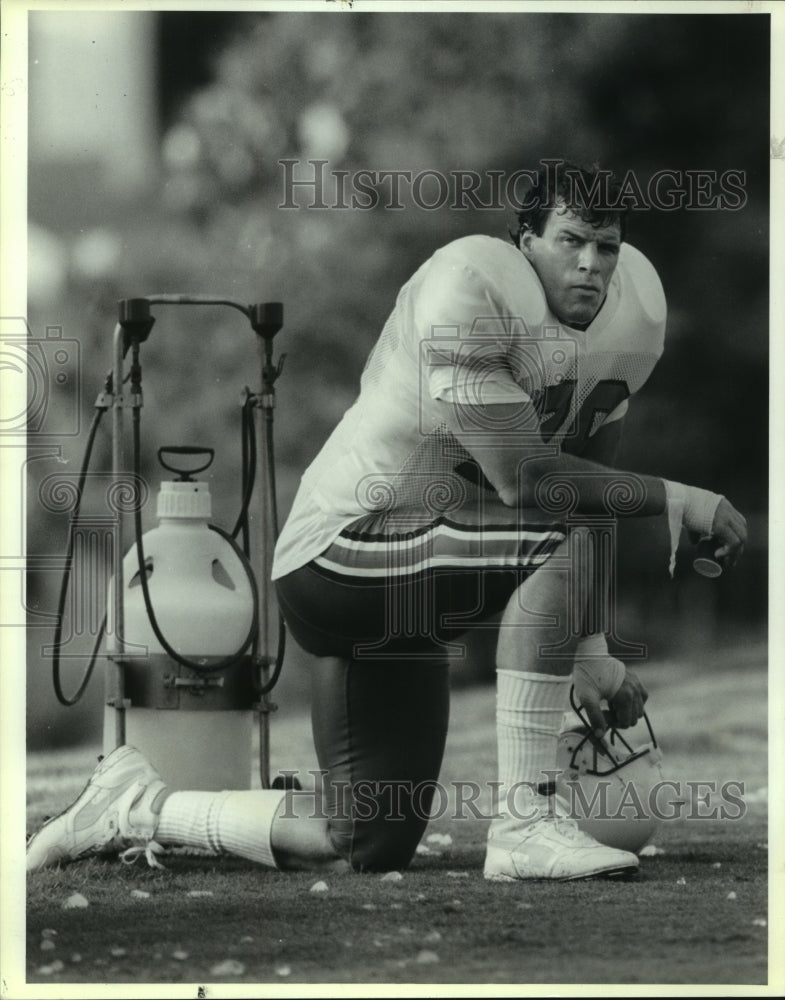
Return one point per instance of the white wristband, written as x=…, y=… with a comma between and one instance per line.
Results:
x=690, y=506
x=603, y=677
x=591, y=646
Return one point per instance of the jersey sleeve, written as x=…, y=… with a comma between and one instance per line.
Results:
x=642, y=288
x=464, y=336
x=636, y=336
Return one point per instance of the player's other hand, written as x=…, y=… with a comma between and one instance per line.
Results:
x=730, y=528
x=624, y=708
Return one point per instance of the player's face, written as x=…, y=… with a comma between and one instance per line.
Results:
x=575, y=262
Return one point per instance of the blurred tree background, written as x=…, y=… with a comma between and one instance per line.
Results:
x=209, y=105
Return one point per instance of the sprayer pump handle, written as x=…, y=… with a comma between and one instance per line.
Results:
x=185, y=475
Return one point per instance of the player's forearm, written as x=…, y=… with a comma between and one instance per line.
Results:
x=577, y=485
x=525, y=471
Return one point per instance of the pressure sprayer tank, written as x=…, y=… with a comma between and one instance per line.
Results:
x=194, y=725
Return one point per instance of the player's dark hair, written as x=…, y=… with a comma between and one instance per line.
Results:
x=592, y=193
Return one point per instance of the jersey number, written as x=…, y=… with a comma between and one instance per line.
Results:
x=554, y=406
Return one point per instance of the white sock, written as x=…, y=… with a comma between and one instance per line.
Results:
x=529, y=712
x=229, y=822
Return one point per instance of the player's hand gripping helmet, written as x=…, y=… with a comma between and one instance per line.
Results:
x=610, y=787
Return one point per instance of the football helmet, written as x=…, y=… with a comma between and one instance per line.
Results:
x=612, y=789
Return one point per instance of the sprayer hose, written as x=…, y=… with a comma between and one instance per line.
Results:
x=66, y=578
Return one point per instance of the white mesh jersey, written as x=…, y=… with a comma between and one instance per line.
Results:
x=472, y=325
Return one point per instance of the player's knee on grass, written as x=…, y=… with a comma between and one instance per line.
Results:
x=387, y=824
x=379, y=731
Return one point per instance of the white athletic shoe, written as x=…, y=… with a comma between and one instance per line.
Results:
x=551, y=847
x=115, y=811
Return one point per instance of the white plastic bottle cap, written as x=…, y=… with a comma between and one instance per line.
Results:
x=184, y=499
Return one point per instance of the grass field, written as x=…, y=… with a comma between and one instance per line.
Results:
x=696, y=914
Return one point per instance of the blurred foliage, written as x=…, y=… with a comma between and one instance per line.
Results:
x=416, y=91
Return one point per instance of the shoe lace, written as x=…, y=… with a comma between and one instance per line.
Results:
x=567, y=828
x=149, y=850
x=557, y=813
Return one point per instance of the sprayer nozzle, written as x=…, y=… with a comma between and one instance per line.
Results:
x=267, y=318
x=133, y=310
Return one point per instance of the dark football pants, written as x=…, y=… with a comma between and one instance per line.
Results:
x=380, y=689
x=379, y=731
